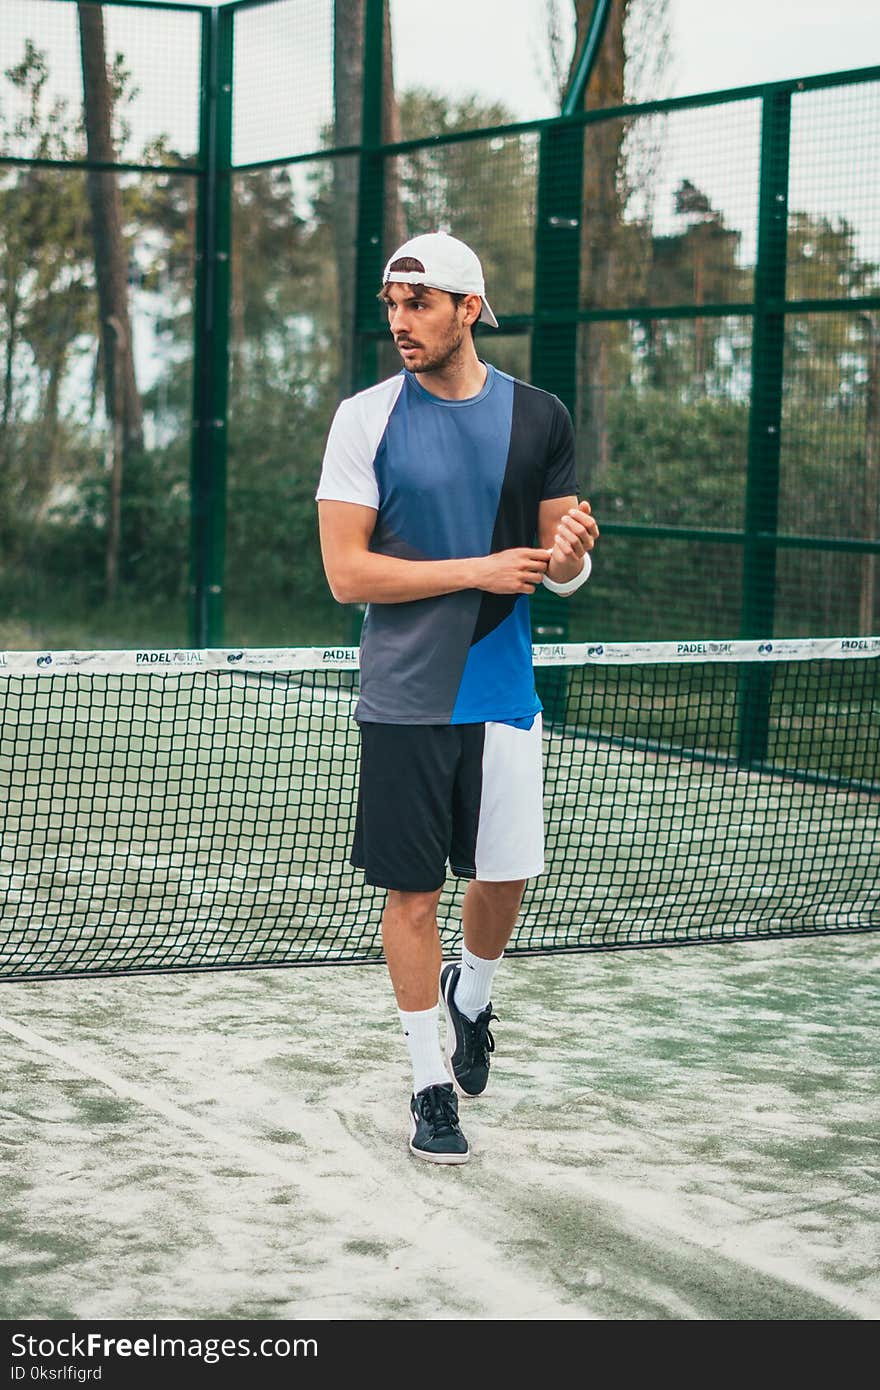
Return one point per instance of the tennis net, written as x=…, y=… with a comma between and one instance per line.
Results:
x=190, y=809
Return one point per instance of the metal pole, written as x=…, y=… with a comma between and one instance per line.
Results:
x=575, y=99
x=211, y=328
x=371, y=201
x=765, y=423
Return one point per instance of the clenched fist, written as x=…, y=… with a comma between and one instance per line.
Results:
x=576, y=534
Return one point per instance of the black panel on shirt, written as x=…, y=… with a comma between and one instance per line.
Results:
x=540, y=465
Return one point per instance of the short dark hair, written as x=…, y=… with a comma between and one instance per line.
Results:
x=404, y=263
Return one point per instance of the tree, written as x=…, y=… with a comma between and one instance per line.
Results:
x=122, y=400
x=348, y=73
x=447, y=187
x=696, y=265
x=602, y=205
x=629, y=64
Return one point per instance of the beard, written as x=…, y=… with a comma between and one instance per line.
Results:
x=440, y=356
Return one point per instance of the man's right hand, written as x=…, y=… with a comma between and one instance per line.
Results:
x=517, y=571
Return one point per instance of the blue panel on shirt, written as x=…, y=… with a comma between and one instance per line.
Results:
x=440, y=468
x=498, y=673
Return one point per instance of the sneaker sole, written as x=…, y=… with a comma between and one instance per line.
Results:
x=450, y=1048
x=436, y=1158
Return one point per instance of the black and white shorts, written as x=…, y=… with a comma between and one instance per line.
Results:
x=467, y=794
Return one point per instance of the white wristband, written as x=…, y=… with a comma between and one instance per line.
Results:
x=565, y=589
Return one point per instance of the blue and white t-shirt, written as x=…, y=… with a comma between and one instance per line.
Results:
x=450, y=479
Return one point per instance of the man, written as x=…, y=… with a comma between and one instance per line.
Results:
x=447, y=495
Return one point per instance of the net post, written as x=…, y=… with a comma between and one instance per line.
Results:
x=554, y=354
x=211, y=333
x=765, y=423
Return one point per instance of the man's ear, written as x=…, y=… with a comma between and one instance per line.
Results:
x=473, y=307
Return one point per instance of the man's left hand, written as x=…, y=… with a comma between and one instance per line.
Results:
x=576, y=533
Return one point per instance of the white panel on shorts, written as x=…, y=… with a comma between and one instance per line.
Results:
x=510, y=834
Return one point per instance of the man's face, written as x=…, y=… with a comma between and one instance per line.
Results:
x=427, y=327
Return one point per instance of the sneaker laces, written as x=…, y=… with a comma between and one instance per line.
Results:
x=482, y=1038
x=438, y=1107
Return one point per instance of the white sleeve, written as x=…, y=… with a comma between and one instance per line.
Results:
x=347, y=473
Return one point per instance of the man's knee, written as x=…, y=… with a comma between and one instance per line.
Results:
x=504, y=892
x=412, y=911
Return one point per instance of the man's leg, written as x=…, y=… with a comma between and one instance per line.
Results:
x=412, y=950
x=412, y=947
x=401, y=840
x=490, y=911
x=498, y=848
x=489, y=916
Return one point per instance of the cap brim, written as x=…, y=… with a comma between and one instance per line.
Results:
x=487, y=316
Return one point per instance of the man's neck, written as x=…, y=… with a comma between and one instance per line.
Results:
x=457, y=381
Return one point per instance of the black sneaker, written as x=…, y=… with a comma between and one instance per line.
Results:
x=468, y=1044
x=436, y=1135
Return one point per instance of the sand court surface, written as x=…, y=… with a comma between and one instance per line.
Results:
x=669, y=1133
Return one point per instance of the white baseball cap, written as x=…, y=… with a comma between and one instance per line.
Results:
x=449, y=265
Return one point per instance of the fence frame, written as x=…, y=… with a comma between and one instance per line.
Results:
x=553, y=321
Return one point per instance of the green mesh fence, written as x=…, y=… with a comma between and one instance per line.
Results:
x=183, y=300
x=98, y=214
x=184, y=809
x=696, y=278
x=283, y=81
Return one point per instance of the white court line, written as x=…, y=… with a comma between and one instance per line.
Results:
x=367, y=1199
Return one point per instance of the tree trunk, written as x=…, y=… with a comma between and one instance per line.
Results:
x=50, y=421
x=699, y=331
x=348, y=71
x=394, y=229
x=600, y=223
x=12, y=307
x=871, y=494
x=123, y=404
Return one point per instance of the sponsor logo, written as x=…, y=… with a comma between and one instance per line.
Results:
x=690, y=648
x=332, y=654
x=720, y=648
x=45, y=660
x=547, y=651
x=4, y=660
x=233, y=657
x=860, y=644
x=77, y=659
x=596, y=651
x=765, y=648
x=168, y=658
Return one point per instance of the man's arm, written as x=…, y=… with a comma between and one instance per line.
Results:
x=357, y=574
x=567, y=528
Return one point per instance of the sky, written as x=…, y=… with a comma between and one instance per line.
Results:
x=498, y=50
x=713, y=45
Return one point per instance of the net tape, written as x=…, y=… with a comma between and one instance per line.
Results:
x=174, y=661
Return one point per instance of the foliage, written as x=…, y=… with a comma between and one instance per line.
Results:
x=677, y=388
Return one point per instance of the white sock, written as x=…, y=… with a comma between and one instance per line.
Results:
x=474, y=986
x=423, y=1040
